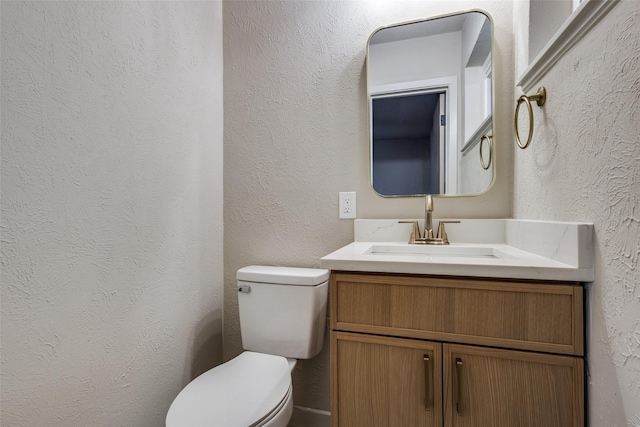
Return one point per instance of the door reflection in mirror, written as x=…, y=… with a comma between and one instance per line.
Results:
x=409, y=131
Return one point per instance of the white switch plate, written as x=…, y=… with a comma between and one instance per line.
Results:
x=347, y=204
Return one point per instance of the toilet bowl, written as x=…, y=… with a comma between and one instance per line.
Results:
x=282, y=318
x=253, y=389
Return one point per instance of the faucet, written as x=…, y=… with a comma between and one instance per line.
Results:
x=428, y=238
x=428, y=217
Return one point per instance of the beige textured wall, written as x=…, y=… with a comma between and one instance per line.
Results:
x=111, y=208
x=296, y=134
x=584, y=165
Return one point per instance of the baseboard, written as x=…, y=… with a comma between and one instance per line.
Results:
x=309, y=417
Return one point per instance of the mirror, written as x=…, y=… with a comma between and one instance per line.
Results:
x=430, y=97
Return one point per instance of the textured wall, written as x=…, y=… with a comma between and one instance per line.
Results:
x=111, y=208
x=584, y=165
x=296, y=135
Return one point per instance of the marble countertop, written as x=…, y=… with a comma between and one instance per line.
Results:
x=500, y=248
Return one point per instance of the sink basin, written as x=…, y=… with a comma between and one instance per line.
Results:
x=448, y=251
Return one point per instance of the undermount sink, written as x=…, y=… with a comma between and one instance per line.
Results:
x=437, y=251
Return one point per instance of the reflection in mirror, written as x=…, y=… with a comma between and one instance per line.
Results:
x=430, y=103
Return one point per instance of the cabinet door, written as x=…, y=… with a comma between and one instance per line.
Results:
x=490, y=387
x=382, y=381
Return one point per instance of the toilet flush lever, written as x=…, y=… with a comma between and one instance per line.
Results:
x=243, y=289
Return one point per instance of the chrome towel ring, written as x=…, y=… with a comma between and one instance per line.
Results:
x=540, y=99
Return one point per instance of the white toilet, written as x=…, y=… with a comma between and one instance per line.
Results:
x=282, y=318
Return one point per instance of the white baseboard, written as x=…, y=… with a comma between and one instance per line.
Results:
x=309, y=417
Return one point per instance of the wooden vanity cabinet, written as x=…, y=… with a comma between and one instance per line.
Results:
x=435, y=351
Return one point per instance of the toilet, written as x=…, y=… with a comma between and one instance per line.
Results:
x=282, y=319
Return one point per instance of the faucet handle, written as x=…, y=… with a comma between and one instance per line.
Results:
x=415, y=231
x=442, y=234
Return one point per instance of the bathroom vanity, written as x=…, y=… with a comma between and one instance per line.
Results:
x=457, y=336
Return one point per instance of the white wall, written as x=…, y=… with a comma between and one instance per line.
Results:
x=111, y=208
x=545, y=18
x=397, y=62
x=474, y=101
x=296, y=134
x=584, y=165
x=470, y=32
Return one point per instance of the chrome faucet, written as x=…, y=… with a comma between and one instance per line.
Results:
x=428, y=238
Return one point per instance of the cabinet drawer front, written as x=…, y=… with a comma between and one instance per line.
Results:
x=512, y=314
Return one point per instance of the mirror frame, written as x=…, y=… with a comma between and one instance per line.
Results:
x=465, y=146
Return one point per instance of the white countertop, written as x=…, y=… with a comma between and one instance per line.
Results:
x=501, y=248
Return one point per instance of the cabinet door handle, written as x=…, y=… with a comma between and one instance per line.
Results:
x=459, y=386
x=428, y=383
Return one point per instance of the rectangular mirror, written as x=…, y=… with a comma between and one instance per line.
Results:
x=430, y=96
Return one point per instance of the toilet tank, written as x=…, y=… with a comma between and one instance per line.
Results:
x=284, y=311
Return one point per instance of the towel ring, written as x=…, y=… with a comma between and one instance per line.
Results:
x=540, y=99
x=489, y=139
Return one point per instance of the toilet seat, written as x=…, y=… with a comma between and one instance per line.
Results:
x=246, y=391
x=280, y=415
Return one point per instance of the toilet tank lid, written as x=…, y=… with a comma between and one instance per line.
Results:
x=283, y=275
